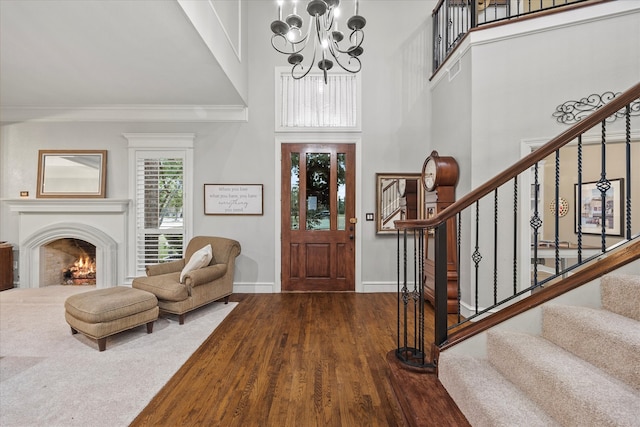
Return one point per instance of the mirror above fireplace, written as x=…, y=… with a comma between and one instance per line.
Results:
x=72, y=173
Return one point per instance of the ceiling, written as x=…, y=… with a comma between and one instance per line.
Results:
x=75, y=54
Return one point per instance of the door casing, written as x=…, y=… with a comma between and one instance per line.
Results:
x=319, y=138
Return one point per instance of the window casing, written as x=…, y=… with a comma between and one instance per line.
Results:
x=161, y=188
x=160, y=228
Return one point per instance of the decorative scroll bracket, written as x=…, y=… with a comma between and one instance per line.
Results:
x=573, y=111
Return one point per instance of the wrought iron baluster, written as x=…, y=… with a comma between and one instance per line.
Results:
x=629, y=183
x=603, y=185
x=515, y=233
x=399, y=290
x=420, y=279
x=418, y=313
x=535, y=223
x=477, y=257
x=495, y=246
x=557, y=209
x=579, y=200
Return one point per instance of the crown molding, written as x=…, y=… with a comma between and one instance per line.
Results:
x=126, y=113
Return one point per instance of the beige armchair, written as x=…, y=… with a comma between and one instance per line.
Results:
x=199, y=287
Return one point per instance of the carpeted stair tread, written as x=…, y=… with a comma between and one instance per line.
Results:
x=568, y=388
x=605, y=339
x=484, y=396
x=620, y=294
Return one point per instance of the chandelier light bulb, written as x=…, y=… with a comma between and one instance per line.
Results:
x=280, y=2
x=293, y=35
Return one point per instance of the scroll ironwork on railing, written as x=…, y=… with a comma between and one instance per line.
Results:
x=510, y=244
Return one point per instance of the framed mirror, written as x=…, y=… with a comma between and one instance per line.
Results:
x=72, y=173
x=399, y=196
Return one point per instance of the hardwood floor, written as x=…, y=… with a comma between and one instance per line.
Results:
x=312, y=359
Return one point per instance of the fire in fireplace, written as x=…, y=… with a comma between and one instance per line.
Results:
x=82, y=272
x=69, y=261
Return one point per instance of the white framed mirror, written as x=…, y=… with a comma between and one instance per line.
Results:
x=72, y=173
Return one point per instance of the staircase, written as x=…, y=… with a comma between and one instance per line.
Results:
x=560, y=364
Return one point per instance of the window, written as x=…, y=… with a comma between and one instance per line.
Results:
x=309, y=104
x=160, y=224
x=160, y=168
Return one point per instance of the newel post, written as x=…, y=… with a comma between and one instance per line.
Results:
x=440, y=297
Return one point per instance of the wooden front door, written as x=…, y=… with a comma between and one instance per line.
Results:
x=318, y=217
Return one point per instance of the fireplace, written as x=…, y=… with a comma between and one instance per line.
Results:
x=100, y=224
x=68, y=261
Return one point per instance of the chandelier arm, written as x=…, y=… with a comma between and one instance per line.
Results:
x=354, y=35
x=344, y=67
x=299, y=65
x=336, y=47
x=273, y=44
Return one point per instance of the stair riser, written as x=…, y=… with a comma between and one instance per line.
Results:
x=567, y=388
x=621, y=295
x=606, y=340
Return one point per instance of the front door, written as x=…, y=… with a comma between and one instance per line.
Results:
x=318, y=217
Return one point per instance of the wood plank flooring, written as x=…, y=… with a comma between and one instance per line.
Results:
x=297, y=359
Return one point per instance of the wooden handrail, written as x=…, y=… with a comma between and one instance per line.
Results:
x=526, y=162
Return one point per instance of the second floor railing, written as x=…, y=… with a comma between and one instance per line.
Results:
x=511, y=240
x=453, y=19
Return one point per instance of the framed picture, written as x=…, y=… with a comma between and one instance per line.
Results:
x=589, y=208
x=399, y=196
x=72, y=174
x=233, y=199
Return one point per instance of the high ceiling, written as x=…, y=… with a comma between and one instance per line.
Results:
x=78, y=53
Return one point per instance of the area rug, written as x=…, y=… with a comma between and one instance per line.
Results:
x=49, y=377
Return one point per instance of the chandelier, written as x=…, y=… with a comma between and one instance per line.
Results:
x=323, y=34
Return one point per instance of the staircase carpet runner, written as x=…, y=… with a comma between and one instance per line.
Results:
x=584, y=369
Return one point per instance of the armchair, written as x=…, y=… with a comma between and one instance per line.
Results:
x=199, y=287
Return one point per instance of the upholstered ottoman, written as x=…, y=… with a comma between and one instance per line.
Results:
x=104, y=312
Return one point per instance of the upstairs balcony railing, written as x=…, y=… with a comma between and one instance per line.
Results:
x=453, y=19
x=511, y=240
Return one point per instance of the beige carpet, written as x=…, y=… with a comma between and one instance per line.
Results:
x=582, y=370
x=49, y=377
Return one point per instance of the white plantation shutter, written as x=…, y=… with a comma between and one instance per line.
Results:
x=159, y=193
x=310, y=103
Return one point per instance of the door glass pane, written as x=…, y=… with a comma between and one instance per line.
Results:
x=342, y=189
x=318, y=174
x=295, y=191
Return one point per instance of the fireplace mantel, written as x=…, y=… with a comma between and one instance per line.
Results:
x=101, y=222
x=68, y=205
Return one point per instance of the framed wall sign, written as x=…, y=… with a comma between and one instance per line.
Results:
x=589, y=208
x=233, y=199
x=72, y=173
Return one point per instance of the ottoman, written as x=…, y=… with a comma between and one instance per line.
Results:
x=104, y=312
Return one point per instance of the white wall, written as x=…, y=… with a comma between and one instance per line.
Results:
x=512, y=78
x=394, y=139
